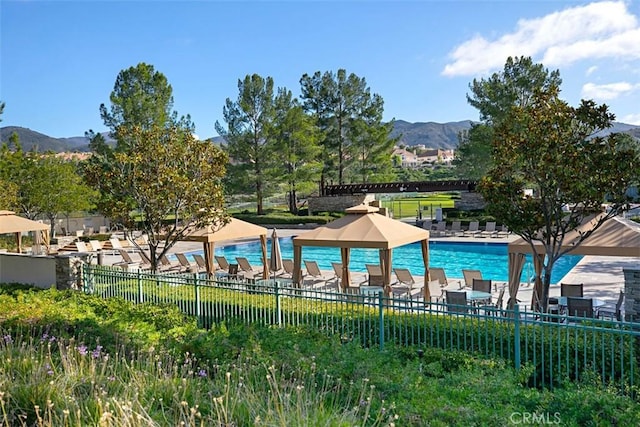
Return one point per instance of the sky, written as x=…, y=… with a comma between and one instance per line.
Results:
x=59, y=59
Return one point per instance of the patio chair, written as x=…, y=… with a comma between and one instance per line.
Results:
x=456, y=229
x=247, y=269
x=503, y=231
x=580, y=307
x=407, y=285
x=142, y=263
x=489, y=230
x=437, y=273
x=456, y=301
x=612, y=313
x=337, y=270
x=469, y=275
x=426, y=224
x=473, y=230
x=185, y=263
x=571, y=290
x=313, y=270
x=482, y=285
x=374, y=275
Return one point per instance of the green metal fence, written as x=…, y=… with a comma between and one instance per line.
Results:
x=558, y=348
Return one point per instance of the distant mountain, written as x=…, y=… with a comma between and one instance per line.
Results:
x=430, y=134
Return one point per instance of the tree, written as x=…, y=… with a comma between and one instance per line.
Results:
x=347, y=114
x=165, y=184
x=494, y=97
x=249, y=129
x=141, y=97
x=60, y=189
x=296, y=140
x=550, y=147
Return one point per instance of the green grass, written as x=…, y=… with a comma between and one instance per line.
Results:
x=410, y=206
x=68, y=359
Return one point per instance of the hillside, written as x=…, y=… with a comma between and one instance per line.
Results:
x=430, y=134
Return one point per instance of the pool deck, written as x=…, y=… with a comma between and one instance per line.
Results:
x=602, y=276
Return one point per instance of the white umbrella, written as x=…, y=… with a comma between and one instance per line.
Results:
x=275, y=258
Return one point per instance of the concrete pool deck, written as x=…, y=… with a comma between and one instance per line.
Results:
x=601, y=276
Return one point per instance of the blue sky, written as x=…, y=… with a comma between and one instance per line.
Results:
x=59, y=59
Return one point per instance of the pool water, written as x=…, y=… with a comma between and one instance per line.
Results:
x=490, y=258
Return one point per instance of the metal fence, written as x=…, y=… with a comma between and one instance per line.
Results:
x=556, y=348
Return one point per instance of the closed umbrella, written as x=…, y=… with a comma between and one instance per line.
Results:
x=275, y=259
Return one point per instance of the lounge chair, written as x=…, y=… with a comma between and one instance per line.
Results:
x=469, y=275
x=185, y=263
x=426, y=224
x=337, y=270
x=456, y=301
x=473, y=230
x=222, y=262
x=287, y=268
x=200, y=261
x=142, y=263
x=167, y=265
x=504, y=230
x=456, y=229
x=437, y=273
x=248, y=271
x=407, y=285
x=489, y=230
x=96, y=245
x=317, y=276
x=435, y=291
x=439, y=229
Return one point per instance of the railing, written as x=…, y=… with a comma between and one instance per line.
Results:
x=556, y=347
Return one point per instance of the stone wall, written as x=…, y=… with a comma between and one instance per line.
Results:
x=337, y=203
x=631, y=295
x=469, y=201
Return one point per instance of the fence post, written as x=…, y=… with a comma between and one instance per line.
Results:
x=516, y=337
x=140, y=291
x=381, y=320
x=197, y=296
x=278, y=308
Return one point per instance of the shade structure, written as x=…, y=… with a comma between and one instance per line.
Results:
x=615, y=237
x=275, y=255
x=234, y=229
x=10, y=223
x=362, y=227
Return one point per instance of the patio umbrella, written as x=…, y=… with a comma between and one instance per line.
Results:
x=275, y=258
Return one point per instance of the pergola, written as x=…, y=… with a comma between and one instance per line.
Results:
x=362, y=227
x=616, y=237
x=10, y=223
x=234, y=229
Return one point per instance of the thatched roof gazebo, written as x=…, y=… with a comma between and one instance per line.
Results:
x=362, y=227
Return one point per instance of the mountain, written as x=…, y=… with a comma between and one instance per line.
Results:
x=429, y=134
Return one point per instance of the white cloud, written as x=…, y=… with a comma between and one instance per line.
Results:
x=631, y=119
x=607, y=91
x=598, y=30
x=591, y=70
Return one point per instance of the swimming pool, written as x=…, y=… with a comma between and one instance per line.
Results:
x=490, y=258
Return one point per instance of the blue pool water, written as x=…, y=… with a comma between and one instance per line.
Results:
x=490, y=258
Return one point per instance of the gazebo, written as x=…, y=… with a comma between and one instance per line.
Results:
x=10, y=223
x=234, y=229
x=616, y=237
x=362, y=227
